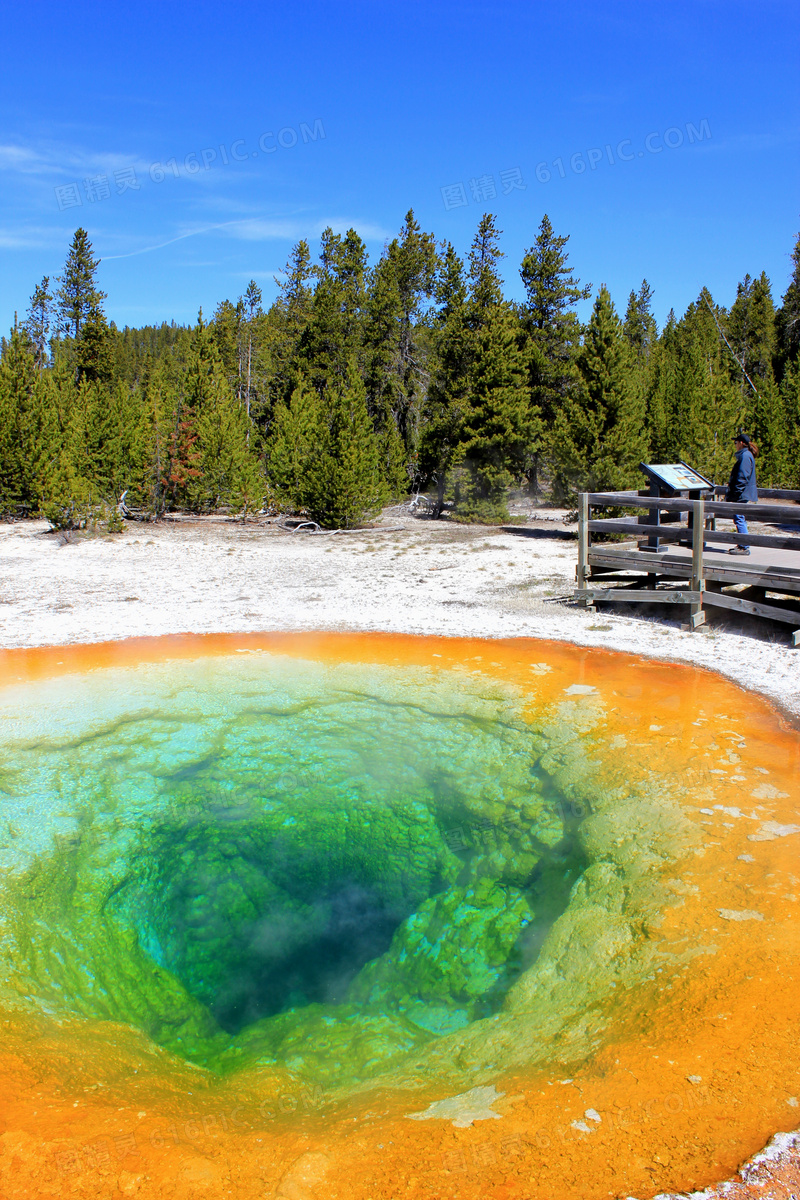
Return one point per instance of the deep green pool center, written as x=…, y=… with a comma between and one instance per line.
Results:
x=278, y=863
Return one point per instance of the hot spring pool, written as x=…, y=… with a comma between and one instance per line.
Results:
x=264, y=899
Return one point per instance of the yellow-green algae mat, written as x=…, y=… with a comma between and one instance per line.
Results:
x=374, y=865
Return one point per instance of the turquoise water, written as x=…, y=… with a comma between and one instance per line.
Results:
x=260, y=861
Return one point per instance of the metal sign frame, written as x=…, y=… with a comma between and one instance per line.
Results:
x=678, y=477
x=670, y=479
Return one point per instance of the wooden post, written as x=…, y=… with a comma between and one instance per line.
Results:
x=583, y=548
x=697, y=616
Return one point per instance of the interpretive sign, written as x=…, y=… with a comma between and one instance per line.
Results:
x=670, y=479
x=676, y=477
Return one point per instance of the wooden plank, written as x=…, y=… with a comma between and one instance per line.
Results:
x=636, y=560
x=720, y=508
x=754, y=511
x=667, y=533
x=738, y=571
x=786, y=494
x=748, y=571
x=641, y=561
x=737, y=604
x=670, y=534
x=777, y=494
x=649, y=596
x=634, y=500
x=583, y=538
x=771, y=581
x=638, y=580
x=698, y=533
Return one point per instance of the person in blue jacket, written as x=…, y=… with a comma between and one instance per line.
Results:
x=742, y=483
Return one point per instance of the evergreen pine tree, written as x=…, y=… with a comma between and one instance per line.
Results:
x=99, y=448
x=404, y=277
x=68, y=496
x=494, y=417
x=17, y=375
x=334, y=334
x=787, y=319
x=296, y=438
x=79, y=293
x=661, y=399
x=751, y=332
x=444, y=405
x=252, y=302
x=230, y=472
x=324, y=457
x=554, y=331
x=599, y=438
x=346, y=479
x=495, y=431
x=285, y=324
x=640, y=326
x=200, y=385
x=151, y=437
x=94, y=359
x=790, y=398
x=37, y=321
x=641, y=334
x=709, y=407
x=226, y=330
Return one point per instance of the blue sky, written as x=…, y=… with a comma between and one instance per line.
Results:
x=661, y=137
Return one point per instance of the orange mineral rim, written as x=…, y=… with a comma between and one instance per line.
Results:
x=669, y=1079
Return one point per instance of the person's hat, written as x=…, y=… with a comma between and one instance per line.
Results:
x=742, y=437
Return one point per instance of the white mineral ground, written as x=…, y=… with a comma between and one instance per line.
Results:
x=403, y=575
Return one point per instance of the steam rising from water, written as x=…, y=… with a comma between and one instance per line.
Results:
x=266, y=849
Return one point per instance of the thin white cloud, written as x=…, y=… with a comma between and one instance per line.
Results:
x=62, y=160
x=252, y=229
x=34, y=237
x=765, y=139
x=16, y=156
x=260, y=273
x=22, y=160
x=160, y=245
x=260, y=230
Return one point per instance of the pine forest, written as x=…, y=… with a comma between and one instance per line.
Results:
x=363, y=383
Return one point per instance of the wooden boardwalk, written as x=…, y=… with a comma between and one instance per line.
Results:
x=692, y=567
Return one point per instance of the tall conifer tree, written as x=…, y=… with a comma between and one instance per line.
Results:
x=346, y=479
x=495, y=425
x=402, y=281
x=79, y=293
x=296, y=437
x=17, y=376
x=751, y=332
x=787, y=320
x=662, y=402
x=38, y=321
x=334, y=334
x=286, y=323
x=709, y=407
x=444, y=406
x=554, y=331
x=599, y=437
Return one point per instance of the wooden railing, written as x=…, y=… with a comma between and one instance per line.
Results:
x=663, y=521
